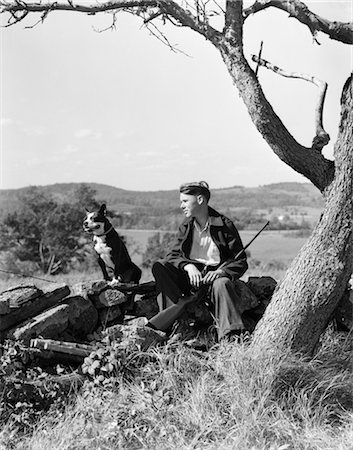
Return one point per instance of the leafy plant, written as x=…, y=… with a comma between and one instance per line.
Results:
x=47, y=231
x=107, y=362
x=157, y=248
x=26, y=389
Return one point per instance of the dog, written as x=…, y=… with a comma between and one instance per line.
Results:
x=113, y=257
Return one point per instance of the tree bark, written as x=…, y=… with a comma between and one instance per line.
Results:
x=314, y=284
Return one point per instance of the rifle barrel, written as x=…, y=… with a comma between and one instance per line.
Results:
x=252, y=240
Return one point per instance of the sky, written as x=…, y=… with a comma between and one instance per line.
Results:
x=120, y=108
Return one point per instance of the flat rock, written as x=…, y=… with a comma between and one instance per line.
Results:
x=88, y=289
x=48, y=324
x=17, y=296
x=34, y=307
x=109, y=297
x=83, y=316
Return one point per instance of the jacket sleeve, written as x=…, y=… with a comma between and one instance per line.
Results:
x=234, y=268
x=176, y=255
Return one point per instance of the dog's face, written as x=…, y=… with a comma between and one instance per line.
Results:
x=96, y=222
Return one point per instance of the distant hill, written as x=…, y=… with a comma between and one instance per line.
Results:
x=280, y=198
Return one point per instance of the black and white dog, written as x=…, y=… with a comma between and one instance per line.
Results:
x=113, y=256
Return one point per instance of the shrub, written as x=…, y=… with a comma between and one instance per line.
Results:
x=157, y=248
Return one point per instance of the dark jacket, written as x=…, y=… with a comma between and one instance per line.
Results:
x=224, y=235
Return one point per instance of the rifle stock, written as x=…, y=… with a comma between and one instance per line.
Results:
x=165, y=319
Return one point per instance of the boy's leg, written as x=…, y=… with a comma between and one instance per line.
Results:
x=225, y=298
x=171, y=282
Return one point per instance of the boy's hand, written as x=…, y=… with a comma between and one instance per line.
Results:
x=210, y=277
x=195, y=276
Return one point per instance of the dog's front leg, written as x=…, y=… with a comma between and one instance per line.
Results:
x=104, y=269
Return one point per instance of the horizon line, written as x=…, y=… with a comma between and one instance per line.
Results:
x=150, y=190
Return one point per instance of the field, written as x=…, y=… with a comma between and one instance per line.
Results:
x=270, y=254
x=274, y=250
x=270, y=245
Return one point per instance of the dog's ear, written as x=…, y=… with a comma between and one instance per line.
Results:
x=103, y=209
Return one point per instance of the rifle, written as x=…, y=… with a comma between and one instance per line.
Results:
x=164, y=319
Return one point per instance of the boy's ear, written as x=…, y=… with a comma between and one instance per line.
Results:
x=200, y=199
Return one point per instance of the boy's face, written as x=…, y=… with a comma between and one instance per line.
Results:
x=190, y=204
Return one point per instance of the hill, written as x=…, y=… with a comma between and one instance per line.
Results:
x=296, y=200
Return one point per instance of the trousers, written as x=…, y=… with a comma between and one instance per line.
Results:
x=172, y=283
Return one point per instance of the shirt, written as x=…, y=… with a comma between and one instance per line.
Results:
x=203, y=249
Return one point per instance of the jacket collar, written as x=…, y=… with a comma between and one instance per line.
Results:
x=214, y=218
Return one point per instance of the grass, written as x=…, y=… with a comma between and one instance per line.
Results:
x=227, y=398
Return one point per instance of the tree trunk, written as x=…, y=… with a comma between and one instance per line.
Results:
x=304, y=301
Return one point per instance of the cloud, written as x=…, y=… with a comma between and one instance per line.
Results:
x=86, y=132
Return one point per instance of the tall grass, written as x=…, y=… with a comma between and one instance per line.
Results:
x=227, y=398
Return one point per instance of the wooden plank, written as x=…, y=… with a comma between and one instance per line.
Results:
x=71, y=348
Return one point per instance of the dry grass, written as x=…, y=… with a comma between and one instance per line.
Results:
x=224, y=399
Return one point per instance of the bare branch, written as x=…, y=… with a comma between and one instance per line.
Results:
x=339, y=31
x=19, y=9
x=322, y=138
x=112, y=26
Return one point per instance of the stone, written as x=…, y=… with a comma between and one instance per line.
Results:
x=88, y=289
x=132, y=336
x=107, y=315
x=83, y=316
x=48, y=324
x=109, y=297
x=17, y=296
x=262, y=287
x=146, y=306
x=248, y=299
x=34, y=307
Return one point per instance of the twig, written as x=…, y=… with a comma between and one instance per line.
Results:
x=322, y=138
